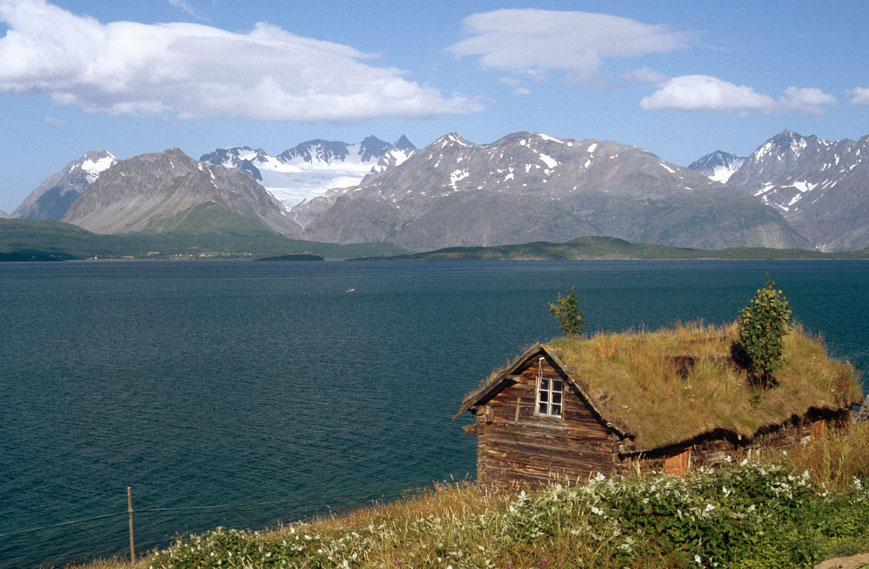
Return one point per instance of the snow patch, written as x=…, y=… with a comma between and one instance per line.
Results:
x=550, y=138
x=592, y=147
x=667, y=168
x=93, y=168
x=458, y=176
x=548, y=160
x=803, y=186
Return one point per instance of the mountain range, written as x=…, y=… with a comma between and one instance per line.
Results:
x=533, y=187
x=820, y=187
x=310, y=168
x=524, y=187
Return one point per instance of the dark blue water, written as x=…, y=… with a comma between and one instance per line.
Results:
x=214, y=383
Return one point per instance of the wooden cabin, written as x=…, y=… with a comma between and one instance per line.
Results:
x=550, y=416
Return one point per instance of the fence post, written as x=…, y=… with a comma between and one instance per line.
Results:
x=130, y=512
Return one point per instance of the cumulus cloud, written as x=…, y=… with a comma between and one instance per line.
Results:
x=809, y=101
x=536, y=42
x=707, y=93
x=200, y=71
x=859, y=96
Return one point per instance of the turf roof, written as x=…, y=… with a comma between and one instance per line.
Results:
x=672, y=385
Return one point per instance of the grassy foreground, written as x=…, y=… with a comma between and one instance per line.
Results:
x=793, y=510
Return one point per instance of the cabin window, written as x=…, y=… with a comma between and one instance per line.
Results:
x=549, y=396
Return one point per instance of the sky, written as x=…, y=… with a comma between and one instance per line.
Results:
x=680, y=78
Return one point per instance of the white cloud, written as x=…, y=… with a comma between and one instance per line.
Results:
x=809, y=101
x=859, y=96
x=535, y=42
x=645, y=75
x=200, y=71
x=521, y=91
x=509, y=81
x=707, y=93
x=53, y=122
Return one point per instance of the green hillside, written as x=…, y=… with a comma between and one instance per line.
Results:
x=205, y=231
x=591, y=248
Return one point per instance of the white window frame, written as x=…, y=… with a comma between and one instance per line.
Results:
x=547, y=394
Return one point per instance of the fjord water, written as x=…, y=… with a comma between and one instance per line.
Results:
x=233, y=384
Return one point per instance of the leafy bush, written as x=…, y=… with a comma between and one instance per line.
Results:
x=746, y=516
x=762, y=325
x=566, y=308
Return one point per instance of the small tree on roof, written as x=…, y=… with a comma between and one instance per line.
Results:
x=566, y=308
x=762, y=326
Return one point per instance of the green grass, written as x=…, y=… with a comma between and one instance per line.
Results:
x=749, y=515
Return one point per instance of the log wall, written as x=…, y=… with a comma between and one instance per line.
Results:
x=715, y=449
x=516, y=447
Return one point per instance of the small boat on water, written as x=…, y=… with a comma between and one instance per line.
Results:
x=350, y=290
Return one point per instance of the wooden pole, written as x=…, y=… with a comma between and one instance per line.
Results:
x=130, y=512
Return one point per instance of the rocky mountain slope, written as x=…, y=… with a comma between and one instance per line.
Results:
x=820, y=187
x=529, y=187
x=310, y=168
x=54, y=196
x=3, y=214
x=156, y=192
x=718, y=165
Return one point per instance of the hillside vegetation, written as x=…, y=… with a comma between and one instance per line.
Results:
x=595, y=248
x=205, y=231
x=792, y=511
x=671, y=385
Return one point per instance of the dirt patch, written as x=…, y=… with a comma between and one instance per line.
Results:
x=853, y=562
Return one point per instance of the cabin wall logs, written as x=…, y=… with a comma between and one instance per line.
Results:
x=717, y=449
x=515, y=446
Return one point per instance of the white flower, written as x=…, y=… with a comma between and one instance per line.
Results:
x=709, y=507
x=697, y=559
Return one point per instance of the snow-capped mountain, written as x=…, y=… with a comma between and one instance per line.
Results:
x=157, y=192
x=54, y=196
x=309, y=169
x=718, y=165
x=819, y=186
x=527, y=187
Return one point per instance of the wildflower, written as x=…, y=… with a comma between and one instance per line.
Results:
x=709, y=508
x=698, y=560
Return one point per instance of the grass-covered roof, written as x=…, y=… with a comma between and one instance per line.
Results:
x=672, y=385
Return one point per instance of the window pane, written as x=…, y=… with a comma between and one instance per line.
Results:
x=543, y=408
x=556, y=410
x=556, y=385
x=543, y=396
x=556, y=397
x=544, y=383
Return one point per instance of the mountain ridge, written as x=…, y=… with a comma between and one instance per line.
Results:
x=819, y=186
x=312, y=167
x=531, y=186
x=147, y=192
x=53, y=197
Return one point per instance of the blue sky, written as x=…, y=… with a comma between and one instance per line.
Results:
x=678, y=78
